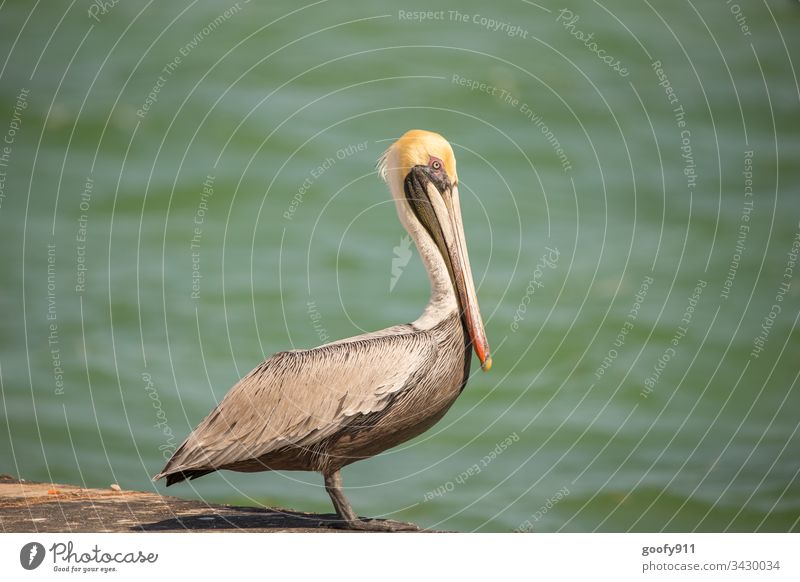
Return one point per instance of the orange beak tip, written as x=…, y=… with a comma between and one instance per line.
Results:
x=486, y=365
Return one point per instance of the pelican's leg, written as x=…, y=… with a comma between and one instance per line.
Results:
x=333, y=485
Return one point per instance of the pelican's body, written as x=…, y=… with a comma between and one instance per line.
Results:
x=324, y=408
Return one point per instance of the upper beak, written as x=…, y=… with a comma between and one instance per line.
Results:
x=443, y=219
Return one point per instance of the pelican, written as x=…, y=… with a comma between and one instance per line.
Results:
x=323, y=408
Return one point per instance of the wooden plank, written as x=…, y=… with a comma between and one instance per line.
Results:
x=27, y=506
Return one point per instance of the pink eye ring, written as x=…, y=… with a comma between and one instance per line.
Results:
x=436, y=163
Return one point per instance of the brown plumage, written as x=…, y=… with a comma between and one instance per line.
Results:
x=324, y=408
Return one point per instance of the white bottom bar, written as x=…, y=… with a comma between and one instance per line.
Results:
x=378, y=557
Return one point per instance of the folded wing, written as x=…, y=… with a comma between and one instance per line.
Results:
x=300, y=397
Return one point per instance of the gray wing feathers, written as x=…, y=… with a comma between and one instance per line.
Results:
x=301, y=397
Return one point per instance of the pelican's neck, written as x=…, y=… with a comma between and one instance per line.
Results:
x=443, y=301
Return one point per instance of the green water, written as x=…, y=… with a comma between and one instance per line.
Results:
x=639, y=381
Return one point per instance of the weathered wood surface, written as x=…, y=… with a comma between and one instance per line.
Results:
x=26, y=506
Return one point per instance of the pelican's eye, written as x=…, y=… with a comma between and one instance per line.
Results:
x=436, y=163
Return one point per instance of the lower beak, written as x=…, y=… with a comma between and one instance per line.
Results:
x=461, y=274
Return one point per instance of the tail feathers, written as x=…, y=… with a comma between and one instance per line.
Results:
x=178, y=476
x=176, y=470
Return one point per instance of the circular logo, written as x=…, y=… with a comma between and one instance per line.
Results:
x=31, y=555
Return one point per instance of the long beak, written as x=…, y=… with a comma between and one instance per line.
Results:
x=444, y=223
x=462, y=281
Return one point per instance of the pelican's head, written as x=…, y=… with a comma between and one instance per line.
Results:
x=420, y=169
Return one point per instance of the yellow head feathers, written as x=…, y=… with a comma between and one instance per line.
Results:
x=416, y=147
